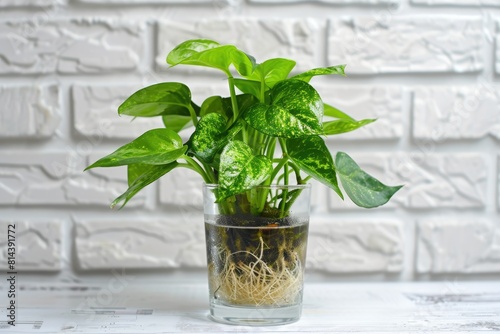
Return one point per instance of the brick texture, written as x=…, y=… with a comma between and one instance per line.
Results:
x=442, y=113
x=373, y=45
x=140, y=244
x=426, y=69
x=38, y=244
x=382, y=103
x=33, y=111
x=262, y=38
x=458, y=246
x=354, y=246
x=95, y=113
x=431, y=181
x=58, y=179
x=70, y=46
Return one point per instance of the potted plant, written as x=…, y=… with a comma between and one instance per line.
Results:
x=256, y=150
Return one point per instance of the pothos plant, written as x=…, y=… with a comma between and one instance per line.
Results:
x=235, y=138
x=270, y=132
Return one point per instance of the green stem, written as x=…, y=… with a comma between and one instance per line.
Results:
x=210, y=173
x=286, y=174
x=276, y=169
x=283, y=145
x=297, y=172
x=271, y=147
x=262, y=91
x=285, y=192
x=192, y=164
x=194, y=118
x=234, y=103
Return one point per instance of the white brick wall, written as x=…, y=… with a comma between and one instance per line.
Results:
x=429, y=76
x=33, y=111
x=38, y=244
x=73, y=46
x=294, y=38
x=406, y=44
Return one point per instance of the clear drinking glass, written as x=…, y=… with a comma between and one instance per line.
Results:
x=256, y=251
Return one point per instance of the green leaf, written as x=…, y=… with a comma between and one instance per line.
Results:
x=308, y=75
x=161, y=99
x=223, y=106
x=153, y=173
x=155, y=147
x=296, y=110
x=240, y=170
x=208, y=138
x=245, y=102
x=203, y=52
x=136, y=170
x=312, y=156
x=176, y=122
x=363, y=189
x=341, y=126
x=336, y=113
x=218, y=105
x=272, y=71
x=211, y=136
x=248, y=86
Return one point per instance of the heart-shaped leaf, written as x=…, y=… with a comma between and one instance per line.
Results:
x=208, y=138
x=296, y=110
x=312, y=156
x=155, y=147
x=240, y=170
x=161, y=99
x=223, y=105
x=141, y=180
x=272, y=71
x=203, y=52
x=342, y=125
x=308, y=75
x=363, y=189
x=176, y=122
x=211, y=136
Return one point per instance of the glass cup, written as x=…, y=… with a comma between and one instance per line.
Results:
x=256, y=251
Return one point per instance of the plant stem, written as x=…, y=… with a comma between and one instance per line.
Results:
x=210, y=173
x=276, y=169
x=286, y=173
x=271, y=147
x=263, y=91
x=234, y=104
x=297, y=172
x=192, y=164
x=194, y=118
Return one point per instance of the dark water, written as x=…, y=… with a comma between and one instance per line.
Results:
x=247, y=240
x=256, y=261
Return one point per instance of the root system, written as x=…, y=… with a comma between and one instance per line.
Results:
x=267, y=272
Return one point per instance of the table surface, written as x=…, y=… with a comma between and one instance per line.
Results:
x=118, y=306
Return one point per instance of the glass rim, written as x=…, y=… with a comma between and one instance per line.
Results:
x=271, y=186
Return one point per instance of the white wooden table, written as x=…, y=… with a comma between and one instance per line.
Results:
x=122, y=307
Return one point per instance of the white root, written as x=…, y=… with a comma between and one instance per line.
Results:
x=256, y=283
